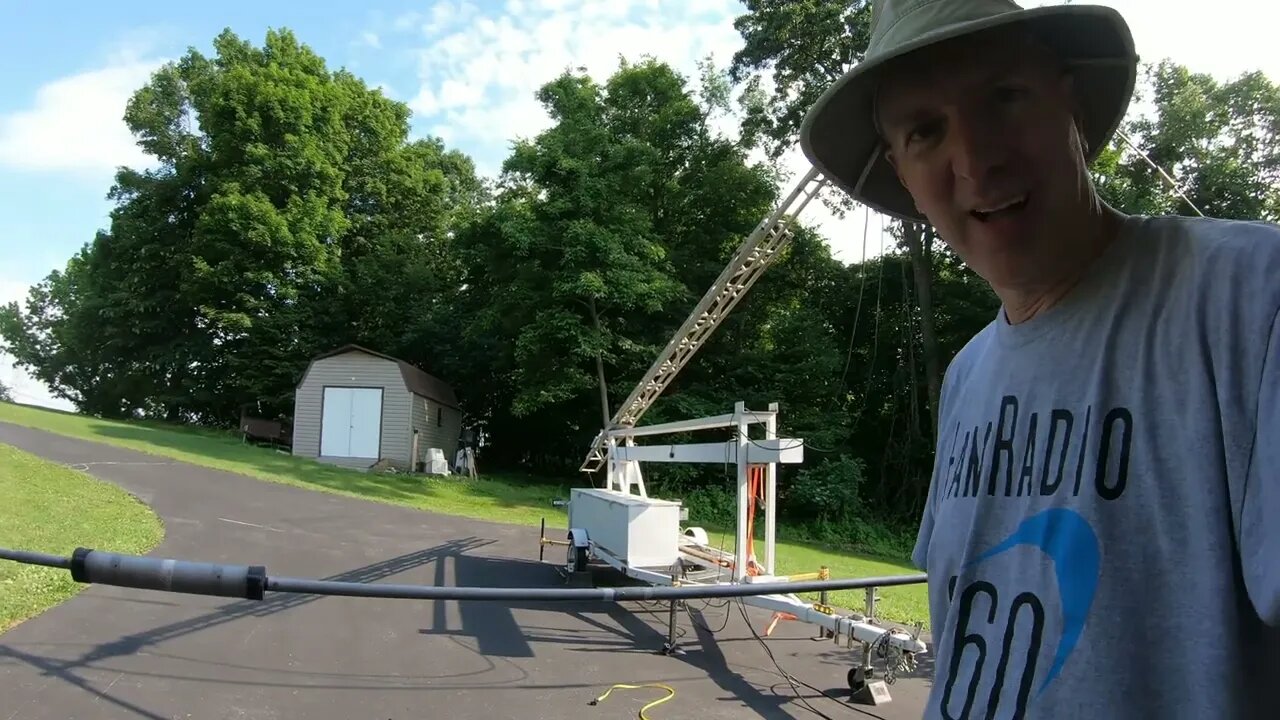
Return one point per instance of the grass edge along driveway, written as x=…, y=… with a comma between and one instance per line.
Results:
x=494, y=498
x=52, y=508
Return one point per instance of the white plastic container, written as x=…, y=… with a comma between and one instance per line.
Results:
x=641, y=532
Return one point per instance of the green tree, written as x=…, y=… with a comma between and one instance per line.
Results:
x=804, y=47
x=608, y=229
x=288, y=212
x=1217, y=141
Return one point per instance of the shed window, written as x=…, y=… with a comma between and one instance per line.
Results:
x=439, y=417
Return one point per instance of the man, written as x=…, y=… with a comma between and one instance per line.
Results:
x=1102, y=531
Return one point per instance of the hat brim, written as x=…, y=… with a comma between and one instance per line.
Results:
x=840, y=139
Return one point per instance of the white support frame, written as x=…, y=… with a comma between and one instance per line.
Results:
x=743, y=441
x=771, y=485
x=625, y=456
x=851, y=629
x=758, y=451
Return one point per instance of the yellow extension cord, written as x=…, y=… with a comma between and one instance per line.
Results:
x=670, y=694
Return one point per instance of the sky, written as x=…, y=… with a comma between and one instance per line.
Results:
x=68, y=68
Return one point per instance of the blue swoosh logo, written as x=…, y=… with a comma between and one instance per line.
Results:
x=1070, y=542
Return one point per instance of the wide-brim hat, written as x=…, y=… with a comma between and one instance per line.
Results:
x=839, y=135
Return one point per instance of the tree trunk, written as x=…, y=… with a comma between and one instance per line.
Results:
x=920, y=246
x=604, y=388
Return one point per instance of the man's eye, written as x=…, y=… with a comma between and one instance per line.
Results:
x=923, y=132
x=1010, y=93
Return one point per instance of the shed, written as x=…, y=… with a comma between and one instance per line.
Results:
x=355, y=407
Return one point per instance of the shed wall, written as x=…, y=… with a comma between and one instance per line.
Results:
x=430, y=434
x=353, y=369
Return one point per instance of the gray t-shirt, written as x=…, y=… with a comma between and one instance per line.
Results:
x=1102, y=532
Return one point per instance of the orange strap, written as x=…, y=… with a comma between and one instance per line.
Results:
x=755, y=491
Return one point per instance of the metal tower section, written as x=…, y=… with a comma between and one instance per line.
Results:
x=752, y=259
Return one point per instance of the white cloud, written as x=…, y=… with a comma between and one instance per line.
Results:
x=478, y=74
x=76, y=123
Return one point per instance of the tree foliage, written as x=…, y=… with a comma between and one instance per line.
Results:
x=802, y=46
x=1216, y=142
x=608, y=227
x=289, y=212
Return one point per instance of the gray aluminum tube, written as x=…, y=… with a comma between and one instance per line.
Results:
x=196, y=578
x=36, y=558
x=250, y=581
x=615, y=594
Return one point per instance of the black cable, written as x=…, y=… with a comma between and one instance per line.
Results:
x=653, y=607
x=706, y=602
x=742, y=607
x=704, y=625
x=800, y=443
x=862, y=284
x=792, y=680
x=833, y=698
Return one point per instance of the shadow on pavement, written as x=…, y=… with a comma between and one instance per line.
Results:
x=587, y=627
x=274, y=603
x=631, y=627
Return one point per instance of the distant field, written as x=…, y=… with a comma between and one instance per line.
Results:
x=497, y=498
x=53, y=509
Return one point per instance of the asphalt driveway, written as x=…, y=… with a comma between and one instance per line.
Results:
x=120, y=653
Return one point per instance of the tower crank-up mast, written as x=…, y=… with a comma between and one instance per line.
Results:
x=754, y=256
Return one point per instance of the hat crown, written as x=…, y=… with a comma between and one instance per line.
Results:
x=897, y=22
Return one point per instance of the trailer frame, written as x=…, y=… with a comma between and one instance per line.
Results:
x=699, y=563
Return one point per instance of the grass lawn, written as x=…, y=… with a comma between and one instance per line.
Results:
x=51, y=508
x=906, y=604
x=498, y=498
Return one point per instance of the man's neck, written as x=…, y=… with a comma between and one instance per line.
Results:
x=1024, y=303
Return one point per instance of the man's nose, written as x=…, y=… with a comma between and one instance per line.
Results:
x=977, y=146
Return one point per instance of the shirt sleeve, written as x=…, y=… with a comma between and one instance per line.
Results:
x=1260, y=511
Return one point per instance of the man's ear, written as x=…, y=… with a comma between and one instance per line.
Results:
x=893, y=163
x=1067, y=85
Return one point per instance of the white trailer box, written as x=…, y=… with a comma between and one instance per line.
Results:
x=641, y=532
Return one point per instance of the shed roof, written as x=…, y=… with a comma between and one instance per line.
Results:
x=416, y=380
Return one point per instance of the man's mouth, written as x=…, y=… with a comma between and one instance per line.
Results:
x=1002, y=209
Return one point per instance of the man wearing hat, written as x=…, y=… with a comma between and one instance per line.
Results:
x=1102, y=530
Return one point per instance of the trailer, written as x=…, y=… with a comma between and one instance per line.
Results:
x=644, y=538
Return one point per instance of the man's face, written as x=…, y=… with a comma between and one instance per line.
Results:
x=982, y=135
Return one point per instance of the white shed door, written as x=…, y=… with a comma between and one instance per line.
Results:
x=352, y=422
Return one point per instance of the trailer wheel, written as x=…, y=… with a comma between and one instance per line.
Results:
x=577, y=558
x=858, y=678
x=698, y=535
